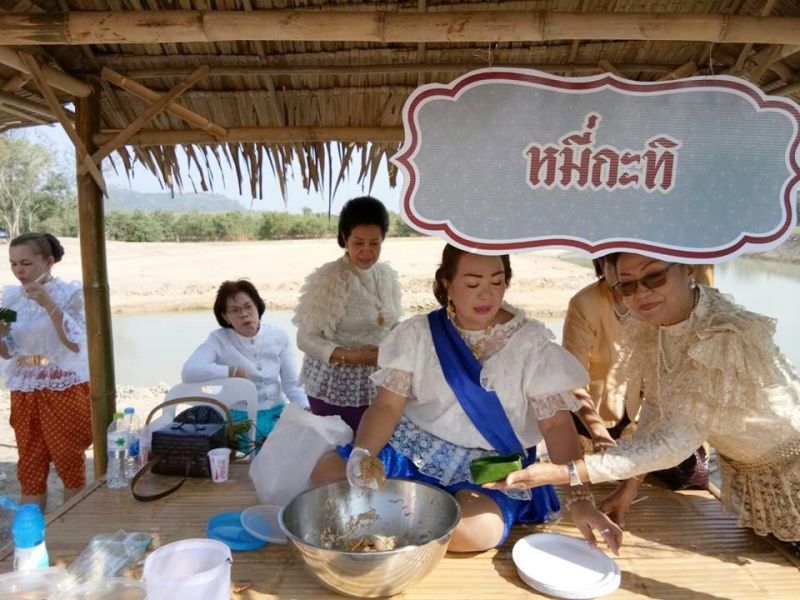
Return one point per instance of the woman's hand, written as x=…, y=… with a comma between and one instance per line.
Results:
x=587, y=518
x=364, y=470
x=540, y=473
x=39, y=294
x=5, y=326
x=601, y=439
x=363, y=355
x=618, y=502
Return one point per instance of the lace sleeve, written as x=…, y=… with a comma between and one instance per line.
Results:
x=320, y=307
x=394, y=380
x=547, y=405
x=74, y=320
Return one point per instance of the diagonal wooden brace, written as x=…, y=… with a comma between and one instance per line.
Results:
x=133, y=128
x=52, y=101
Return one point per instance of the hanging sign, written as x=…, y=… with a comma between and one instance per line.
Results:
x=696, y=169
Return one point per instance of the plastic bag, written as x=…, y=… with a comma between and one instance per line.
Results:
x=282, y=468
x=107, y=555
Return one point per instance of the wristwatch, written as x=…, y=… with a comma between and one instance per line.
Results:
x=574, y=478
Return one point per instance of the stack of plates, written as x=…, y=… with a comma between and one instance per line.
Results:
x=262, y=522
x=565, y=567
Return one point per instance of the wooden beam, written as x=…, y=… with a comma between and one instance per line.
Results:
x=137, y=89
x=263, y=135
x=756, y=74
x=382, y=69
x=50, y=97
x=685, y=70
x=41, y=110
x=186, y=26
x=163, y=102
x=16, y=83
x=58, y=79
x=96, y=294
x=765, y=10
x=609, y=68
x=19, y=113
x=787, y=90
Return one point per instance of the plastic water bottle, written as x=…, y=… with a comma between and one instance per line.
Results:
x=134, y=432
x=117, y=440
x=27, y=529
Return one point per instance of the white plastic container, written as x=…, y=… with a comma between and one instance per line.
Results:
x=189, y=570
x=30, y=585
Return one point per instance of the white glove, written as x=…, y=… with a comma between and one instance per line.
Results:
x=361, y=469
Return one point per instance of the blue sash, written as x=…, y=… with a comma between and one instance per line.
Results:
x=462, y=371
x=463, y=374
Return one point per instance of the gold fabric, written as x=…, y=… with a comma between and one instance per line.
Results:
x=592, y=334
x=717, y=376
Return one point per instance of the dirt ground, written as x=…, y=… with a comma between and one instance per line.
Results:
x=170, y=276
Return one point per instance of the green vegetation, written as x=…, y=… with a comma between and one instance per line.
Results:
x=35, y=196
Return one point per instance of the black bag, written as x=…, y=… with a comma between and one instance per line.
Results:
x=181, y=448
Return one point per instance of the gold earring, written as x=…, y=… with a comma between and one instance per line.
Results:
x=692, y=283
x=451, y=310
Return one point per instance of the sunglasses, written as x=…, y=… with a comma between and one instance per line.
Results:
x=651, y=282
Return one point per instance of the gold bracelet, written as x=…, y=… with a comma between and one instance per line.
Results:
x=576, y=493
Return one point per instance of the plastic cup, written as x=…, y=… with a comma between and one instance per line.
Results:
x=219, y=459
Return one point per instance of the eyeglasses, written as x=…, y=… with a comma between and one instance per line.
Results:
x=651, y=282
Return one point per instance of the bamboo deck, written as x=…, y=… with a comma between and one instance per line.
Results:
x=679, y=545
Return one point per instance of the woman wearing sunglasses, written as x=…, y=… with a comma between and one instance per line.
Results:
x=711, y=371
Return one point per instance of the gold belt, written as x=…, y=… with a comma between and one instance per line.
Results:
x=34, y=360
x=775, y=458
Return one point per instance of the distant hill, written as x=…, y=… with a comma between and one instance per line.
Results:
x=126, y=200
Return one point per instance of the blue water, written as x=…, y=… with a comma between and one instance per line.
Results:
x=150, y=348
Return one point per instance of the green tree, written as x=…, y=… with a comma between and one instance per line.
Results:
x=31, y=190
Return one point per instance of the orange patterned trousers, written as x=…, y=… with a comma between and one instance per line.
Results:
x=51, y=426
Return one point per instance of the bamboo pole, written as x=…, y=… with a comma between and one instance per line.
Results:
x=123, y=136
x=137, y=89
x=383, y=69
x=58, y=79
x=61, y=116
x=264, y=135
x=685, y=70
x=16, y=83
x=186, y=26
x=21, y=113
x=787, y=90
x=95, y=288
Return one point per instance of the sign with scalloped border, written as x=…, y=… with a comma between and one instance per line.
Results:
x=698, y=169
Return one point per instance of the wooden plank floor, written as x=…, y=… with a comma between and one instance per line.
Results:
x=680, y=545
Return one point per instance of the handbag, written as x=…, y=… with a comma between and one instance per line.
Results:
x=181, y=448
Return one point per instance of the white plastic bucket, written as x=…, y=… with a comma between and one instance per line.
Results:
x=189, y=570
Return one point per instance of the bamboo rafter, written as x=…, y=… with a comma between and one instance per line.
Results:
x=161, y=104
x=58, y=79
x=47, y=92
x=146, y=93
x=392, y=68
x=277, y=135
x=186, y=26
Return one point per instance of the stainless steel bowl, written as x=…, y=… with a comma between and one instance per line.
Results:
x=420, y=516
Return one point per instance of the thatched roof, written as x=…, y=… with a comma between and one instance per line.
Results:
x=356, y=87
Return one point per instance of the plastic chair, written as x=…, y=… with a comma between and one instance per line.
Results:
x=231, y=391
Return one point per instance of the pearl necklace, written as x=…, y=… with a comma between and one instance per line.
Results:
x=661, y=353
x=621, y=316
x=373, y=295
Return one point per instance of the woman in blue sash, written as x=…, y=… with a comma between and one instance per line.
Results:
x=472, y=379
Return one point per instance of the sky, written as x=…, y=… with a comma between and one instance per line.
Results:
x=142, y=180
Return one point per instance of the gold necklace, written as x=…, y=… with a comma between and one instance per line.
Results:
x=477, y=346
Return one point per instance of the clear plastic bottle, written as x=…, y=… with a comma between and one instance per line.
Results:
x=116, y=475
x=27, y=529
x=134, y=432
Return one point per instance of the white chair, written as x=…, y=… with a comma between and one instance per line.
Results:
x=231, y=391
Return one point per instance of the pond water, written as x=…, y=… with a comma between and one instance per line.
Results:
x=150, y=348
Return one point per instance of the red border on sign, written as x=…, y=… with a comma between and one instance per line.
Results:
x=537, y=79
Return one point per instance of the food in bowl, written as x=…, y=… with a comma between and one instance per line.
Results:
x=494, y=468
x=339, y=532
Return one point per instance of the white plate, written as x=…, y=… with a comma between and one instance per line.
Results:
x=565, y=567
x=262, y=522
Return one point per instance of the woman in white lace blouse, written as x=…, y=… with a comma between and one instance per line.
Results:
x=711, y=371
x=346, y=308
x=47, y=370
x=474, y=380
x=245, y=346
